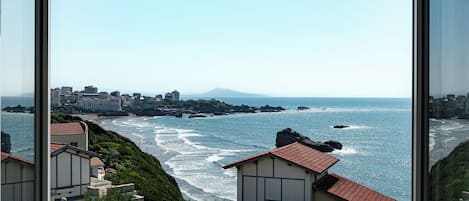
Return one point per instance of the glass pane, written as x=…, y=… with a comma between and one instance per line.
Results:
x=17, y=99
x=197, y=85
x=449, y=101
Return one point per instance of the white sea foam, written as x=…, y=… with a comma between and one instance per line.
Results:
x=352, y=127
x=345, y=151
x=214, y=158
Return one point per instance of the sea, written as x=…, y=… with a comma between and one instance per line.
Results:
x=376, y=153
x=20, y=126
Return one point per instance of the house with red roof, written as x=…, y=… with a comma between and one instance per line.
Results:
x=17, y=178
x=75, y=134
x=296, y=172
x=70, y=171
x=97, y=168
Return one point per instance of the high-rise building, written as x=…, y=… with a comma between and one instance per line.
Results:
x=91, y=90
x=172, y=96
x=66, y=90
x=137, y=96
x=116, y=93
x=55, y=97
x=99, y=105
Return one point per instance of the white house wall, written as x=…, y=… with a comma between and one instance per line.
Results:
x=17, y=181
x=76, y=174
x=282, y=181
x=70, y=175
x=64, y=170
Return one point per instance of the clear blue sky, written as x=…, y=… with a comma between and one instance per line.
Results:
x=336, y=48
x=17, y=47
x=449, y=47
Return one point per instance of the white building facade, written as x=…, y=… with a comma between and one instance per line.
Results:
x=100, y=105
x=17, y=178
x=69, y=171
x=296, y=172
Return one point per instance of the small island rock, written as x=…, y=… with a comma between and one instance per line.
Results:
x=341, y=126
x=288, y=136
x=197, y=116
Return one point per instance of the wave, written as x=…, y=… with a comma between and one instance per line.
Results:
x=352, y=127
x=345, y=151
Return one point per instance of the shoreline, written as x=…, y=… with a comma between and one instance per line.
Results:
x=96, y=118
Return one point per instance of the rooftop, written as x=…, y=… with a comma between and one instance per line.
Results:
x=54, y=146
x=57, y=148
x=348, y=190
x=67, y=128
x=16, y=158
x=297, y=154
x=96, y=162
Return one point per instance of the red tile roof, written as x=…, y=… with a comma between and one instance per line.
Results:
x=16, y=158
x=348, y=190
x=55, y=146
x=297, y=154
x=96, y=162
x=67, y=128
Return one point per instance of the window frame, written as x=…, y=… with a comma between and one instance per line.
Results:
x=41, y=100
x=420, y=98
x=420, y=95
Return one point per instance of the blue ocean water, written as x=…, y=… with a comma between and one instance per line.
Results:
x=20, y=126
x=376, y=153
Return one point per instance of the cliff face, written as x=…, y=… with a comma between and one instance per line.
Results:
x=132, y=165
x=449, y=177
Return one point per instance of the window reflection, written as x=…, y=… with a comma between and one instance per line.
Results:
x=17, y=102
x=449, y=101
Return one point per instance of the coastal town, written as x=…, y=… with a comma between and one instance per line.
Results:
x=449, y=106
x=88, y=161
x=89, y=100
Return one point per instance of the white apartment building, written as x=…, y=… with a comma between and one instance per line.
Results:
x=100, y=105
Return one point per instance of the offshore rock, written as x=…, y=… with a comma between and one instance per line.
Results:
x=341, y=126
x=288, y=136
x=334, y=144
x=197, y=116
x=268, y=108
x=6, y=144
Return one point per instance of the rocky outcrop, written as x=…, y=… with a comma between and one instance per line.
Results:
x=302, y=108
x=6, y=144
x=288, y=136
x=334, y=144
x=341, y=126
x=19, y=109
x=197, y=116
x=268, y=108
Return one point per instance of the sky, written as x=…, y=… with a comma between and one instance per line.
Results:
x=17, y=47
x=302, y=48
x=449, y=48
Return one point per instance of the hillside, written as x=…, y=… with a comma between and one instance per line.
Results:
x=450, y=175
x=133, y=165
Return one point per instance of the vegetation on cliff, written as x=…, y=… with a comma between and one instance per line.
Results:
x=178, y=108
x=132, y=165
x=450, y=176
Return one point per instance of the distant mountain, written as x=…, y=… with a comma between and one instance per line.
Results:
x=227, y=93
